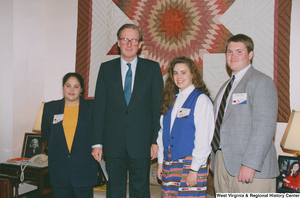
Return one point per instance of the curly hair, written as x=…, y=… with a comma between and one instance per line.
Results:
x=168, y=96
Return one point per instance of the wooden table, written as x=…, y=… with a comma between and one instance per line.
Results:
x=39, y=175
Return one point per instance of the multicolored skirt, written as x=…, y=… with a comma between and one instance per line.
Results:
x=174, y=176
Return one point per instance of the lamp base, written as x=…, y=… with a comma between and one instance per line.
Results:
x=297, y=154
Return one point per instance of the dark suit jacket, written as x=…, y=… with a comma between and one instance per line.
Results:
x=116, y=125
x=78, y=167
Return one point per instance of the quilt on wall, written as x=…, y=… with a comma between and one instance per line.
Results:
x=194, y=28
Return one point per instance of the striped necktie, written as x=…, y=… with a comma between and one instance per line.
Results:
x=216, y=140
x=127, y=85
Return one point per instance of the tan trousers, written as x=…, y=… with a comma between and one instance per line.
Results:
x=225, y=183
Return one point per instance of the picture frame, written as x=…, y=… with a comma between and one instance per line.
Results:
x=288, y=181
x=33, y=144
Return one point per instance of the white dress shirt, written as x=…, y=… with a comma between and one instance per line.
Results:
x=204, y=124
x=124, y=69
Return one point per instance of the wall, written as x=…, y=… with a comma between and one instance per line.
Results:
x=6, y=81
x=38, y=46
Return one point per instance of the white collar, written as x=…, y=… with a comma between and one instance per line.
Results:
x=241, y=73
x=134, y=62
x=187, y=91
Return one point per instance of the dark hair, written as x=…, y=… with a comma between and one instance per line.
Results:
x=244, y=39
x=132, y=26
x=290, y=169
x=170, y=89
x=76, y=75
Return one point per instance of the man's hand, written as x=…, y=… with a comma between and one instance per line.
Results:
x=246, y=174
x=191, y=179
x=154, y=151
x=210, y=166
x=97, y=153
x=159, y=171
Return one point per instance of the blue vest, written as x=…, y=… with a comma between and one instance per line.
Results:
x=181, y=139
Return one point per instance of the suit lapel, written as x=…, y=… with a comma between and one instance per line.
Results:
x=82, y=117
x=117, y=75
x=239, y=89
x=62, y=106
x=216, y=108
x=61, y=131
x=60, y=125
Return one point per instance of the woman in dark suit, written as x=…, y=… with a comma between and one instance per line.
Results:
x=66, y=125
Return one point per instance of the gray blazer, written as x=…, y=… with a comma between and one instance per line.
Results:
x=248, y=129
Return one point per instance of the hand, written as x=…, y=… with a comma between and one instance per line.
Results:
x=285, y=180
x=97, y=153
x=191, y=179
x=154, y=151
x=159, y=171
x=246, y=174
x=210, y=166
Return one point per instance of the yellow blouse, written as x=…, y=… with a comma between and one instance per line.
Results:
x=70, y=123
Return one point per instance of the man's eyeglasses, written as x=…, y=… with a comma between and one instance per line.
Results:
x=125, y=41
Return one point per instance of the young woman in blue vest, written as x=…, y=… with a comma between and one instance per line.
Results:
x=67, y=126
x=187, y=126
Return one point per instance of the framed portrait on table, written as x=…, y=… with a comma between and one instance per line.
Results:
x=33, y=145
x=289, y=179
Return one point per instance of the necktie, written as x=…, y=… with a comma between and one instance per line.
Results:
x=127, y=85
x=216, y=140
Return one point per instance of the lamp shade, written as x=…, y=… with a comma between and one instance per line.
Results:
x=291, y=137
x=38, y=121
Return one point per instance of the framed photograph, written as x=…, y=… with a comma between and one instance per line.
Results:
x=33, y=145
x=289, y=179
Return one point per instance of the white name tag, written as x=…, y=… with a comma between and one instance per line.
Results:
x=183, y=112
x=239, y=98
x=58, y=118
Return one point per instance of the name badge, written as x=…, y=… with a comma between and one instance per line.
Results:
x=183, y=113
x=239, y=98
x=58, y=118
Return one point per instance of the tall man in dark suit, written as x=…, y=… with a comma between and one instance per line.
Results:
x=243, y=149
x=126, y=116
